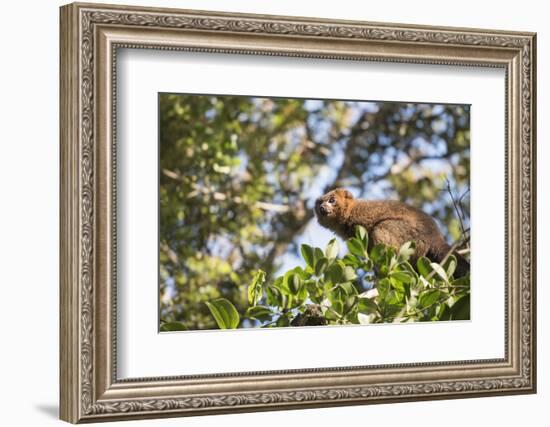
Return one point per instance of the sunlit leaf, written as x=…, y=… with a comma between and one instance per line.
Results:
x=377, y=253
x=355, y=246
x=424, y=266
x=352, y=261
x=450, y=266
x=173, y=326
x=321, y=266
x=362, y=235
x=224, y=312
x=275, y=297
x=367, y=306
x=383, y=287
x=308, y=255
x=255, y=288
x=349, y=273
x=318, y=254
x=405, y=251
x=429, y=298
x=335, y=273
x=402, y=276
x=259, y=312
x=294, y=283
x=439, y=270
x=332, y=249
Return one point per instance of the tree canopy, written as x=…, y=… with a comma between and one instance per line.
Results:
x=239, y=175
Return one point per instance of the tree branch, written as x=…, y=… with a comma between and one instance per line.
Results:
x=219, y=196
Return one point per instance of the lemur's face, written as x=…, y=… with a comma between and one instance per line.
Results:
x=332, y=206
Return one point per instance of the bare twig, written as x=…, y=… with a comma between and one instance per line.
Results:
x=216, y=195
x=172, y=256
x=463, y=195
x=457, y=205
x=399, y=169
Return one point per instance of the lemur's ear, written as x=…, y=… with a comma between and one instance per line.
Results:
x=345, y=193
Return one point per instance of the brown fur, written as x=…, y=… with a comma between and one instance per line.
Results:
x=387, y=221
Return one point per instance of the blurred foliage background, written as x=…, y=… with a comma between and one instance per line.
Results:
x=239, y=175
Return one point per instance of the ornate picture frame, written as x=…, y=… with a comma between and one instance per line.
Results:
x=90, y=37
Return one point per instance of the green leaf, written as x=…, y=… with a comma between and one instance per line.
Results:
x=315, y=292
x=337, y=305
x=283, y=285
x=173, y=326
x=367, y=265
x=394, y=297
x=259, y=312
x=224, y=312
x=362, y=235
x=294, y=283
x=255, y=288
x=349, y=303
x=283, y=321
x=352, y=261
x=332, y=249
x=356, y=247
x=461, y=308
x=405, y=251
x=317, y=255
x=367, y=306
x=402, y=276
x=377, y=253
x=349, y=274
x=348, y=288
x=278, y=281
x=390, y=257
x=429, y=298
x=275, y=297
x=443, y=312
x=335, y=273
x=337, y=297
x=391, y=309
x=450, y=265
x=303, y=274
x=397, y=284
x=408, y=268
x=320, y=266
x=301, y=295
x=331, y=314
x=462, y=282
x=308, y=255
x=424, y=266
x=383, y=287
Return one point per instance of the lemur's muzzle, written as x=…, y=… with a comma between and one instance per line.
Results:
x=320, y=207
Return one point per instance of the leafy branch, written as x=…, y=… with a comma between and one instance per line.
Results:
x=370, y=284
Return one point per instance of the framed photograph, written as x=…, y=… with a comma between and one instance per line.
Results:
x=266, y=212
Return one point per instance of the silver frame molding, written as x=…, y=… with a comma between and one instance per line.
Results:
x=90, y=37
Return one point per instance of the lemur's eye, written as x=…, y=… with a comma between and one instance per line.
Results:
x=331, y=200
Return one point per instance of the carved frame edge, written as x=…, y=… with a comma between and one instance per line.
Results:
x=77, y=215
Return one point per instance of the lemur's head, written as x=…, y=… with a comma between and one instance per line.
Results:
x=333, y=207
